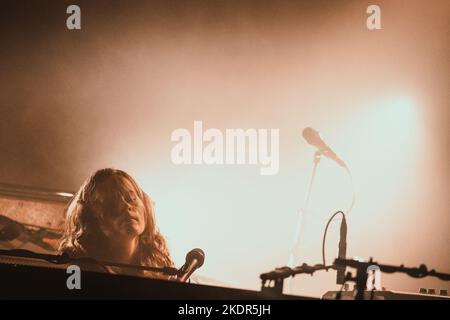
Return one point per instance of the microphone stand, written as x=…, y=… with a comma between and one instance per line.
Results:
x=272, y=282
x=302, y=219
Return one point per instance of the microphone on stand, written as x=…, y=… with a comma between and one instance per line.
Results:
x=313, y=138
x=194, y=260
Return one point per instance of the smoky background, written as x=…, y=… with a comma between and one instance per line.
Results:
x=111, y=93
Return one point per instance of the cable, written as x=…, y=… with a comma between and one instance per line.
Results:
x=325, y=233
x=339, y=294
x=352, y=204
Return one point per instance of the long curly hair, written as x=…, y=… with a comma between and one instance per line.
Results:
x=83, y=236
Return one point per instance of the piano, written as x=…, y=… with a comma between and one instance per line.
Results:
x=26, y=278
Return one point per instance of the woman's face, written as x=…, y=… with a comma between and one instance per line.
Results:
x=120, y=210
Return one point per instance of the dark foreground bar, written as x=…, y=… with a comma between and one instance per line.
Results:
x=40, y=280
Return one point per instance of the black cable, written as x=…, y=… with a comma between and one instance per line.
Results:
x=325, y=233
x=339, y=294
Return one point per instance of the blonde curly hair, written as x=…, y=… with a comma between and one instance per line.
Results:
x=83, y=236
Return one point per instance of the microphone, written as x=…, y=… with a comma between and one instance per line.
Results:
x=313, y=138
x=340, y=276
x=194, y=260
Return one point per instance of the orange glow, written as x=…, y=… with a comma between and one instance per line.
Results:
x=113, y=96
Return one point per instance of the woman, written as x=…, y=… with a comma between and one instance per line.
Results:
x=112, y=219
